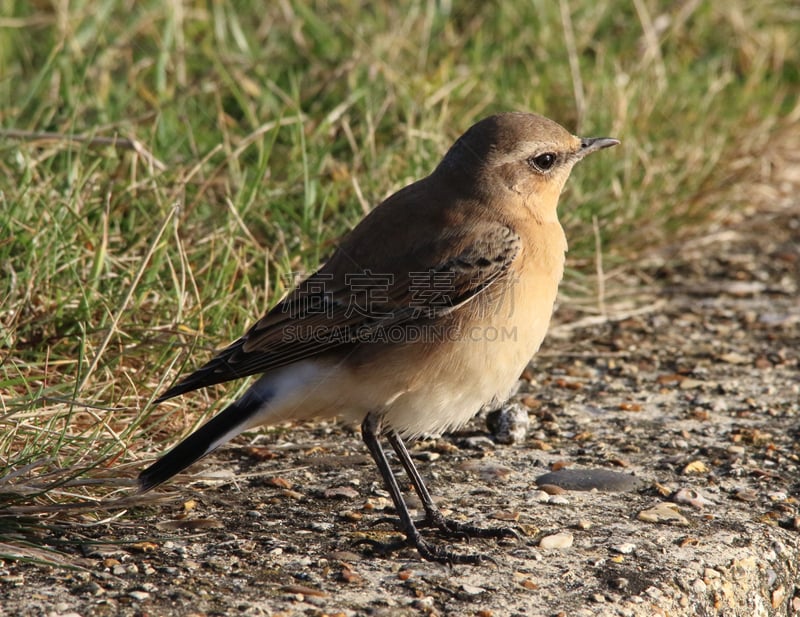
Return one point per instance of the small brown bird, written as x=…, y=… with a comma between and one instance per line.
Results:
x=427, y=311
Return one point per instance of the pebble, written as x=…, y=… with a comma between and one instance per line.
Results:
x=539, y=496
x=341, y=492
x=695, y=467
x=472, y=590
x=663, y=513
x=559, y=540
x=746, y=494
x=690, y=384
x=303, y=590
x=734, y=357
x=591, y=479
x=139, y=596
x=426, y=456
x=624, y=549
x=477, y=442
x=345, y=556
x=509, y=424
x=488, y=471
x=552, y=489
x=693, y=497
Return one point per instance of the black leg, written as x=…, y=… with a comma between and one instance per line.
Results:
x=433, y=517
x=370, y=432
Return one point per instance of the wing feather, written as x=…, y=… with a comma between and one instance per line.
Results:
x=329, y=311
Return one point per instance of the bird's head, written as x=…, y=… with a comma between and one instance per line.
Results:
x=519, y=154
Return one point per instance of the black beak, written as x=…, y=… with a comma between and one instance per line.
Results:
x=593, y=144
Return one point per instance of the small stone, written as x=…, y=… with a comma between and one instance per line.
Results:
x=559, y=540
x=509, y=424
x=189, y=524
x=425, y=603
x=734, y=357
x=426, y=456
x=624, y=549
x=346, y=556
x=538, y=497
x=341, y=492
x=472, y=590
x=710, y=574
x=506, y=515
x=745, y=494
x=663, y=513
x=552, y=489
x=743, y=288
x=590, y=479
x=348, y=575
x=377, y=503
x=699, y=586
x=139, y=596
x=489, y=472
x=692, y=497
x=778, y=595
x=695, y=467
x=144, y=547
x=302, y=590
x=478, y=442
x=279, y=482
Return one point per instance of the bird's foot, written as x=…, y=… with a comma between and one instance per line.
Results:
x=457, y=529
x=427, y=550
x=451, y=528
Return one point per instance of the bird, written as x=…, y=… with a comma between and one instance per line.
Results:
x=427, y=311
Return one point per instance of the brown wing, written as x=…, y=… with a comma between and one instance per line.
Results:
x=333, y=309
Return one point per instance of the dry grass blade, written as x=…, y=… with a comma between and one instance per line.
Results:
x=125, y=143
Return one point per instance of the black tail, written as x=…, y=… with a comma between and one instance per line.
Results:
x=225, y=426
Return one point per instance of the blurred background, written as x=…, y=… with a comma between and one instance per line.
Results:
x=168, y=169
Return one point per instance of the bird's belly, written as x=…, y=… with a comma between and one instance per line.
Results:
x=481, y=365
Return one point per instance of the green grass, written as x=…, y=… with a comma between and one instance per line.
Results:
x=250, y=135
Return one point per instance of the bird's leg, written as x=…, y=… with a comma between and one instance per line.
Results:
x=433, y=516
x=370, y=432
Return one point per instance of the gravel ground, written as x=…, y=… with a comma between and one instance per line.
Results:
x=692, y=387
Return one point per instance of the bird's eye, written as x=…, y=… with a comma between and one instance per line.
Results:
x=543, y=162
